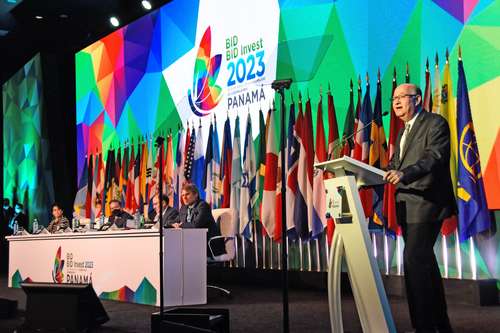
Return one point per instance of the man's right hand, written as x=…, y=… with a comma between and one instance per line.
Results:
x=393, y=176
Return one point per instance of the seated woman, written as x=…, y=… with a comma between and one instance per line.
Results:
x=59, y=221
x=196, y=213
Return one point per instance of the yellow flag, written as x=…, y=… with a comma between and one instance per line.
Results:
x=449, y=112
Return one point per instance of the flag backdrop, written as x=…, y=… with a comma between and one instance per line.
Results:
x=150, y=75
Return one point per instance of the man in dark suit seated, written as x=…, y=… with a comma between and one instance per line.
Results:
x=420, y=169
x=170, y=215
x=19, y=217
x=118, y=216
x=196, y=213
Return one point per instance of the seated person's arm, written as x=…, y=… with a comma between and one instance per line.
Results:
x=171, y=217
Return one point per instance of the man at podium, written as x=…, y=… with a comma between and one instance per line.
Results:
x=420, y=170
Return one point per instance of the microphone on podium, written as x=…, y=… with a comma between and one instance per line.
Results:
x=343, y=141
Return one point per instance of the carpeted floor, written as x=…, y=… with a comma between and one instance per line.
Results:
x=254, y=309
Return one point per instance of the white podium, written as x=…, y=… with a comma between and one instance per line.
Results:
x=352, y=242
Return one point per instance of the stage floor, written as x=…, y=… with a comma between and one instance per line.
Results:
x=259, y=309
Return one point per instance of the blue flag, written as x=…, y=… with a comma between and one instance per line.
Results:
x=473, y=214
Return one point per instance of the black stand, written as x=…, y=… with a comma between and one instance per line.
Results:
x=159, y=144
x=279, y=86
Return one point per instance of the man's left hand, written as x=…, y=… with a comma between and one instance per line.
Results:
x=393, y=176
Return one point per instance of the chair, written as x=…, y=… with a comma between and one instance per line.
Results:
x=223, y=216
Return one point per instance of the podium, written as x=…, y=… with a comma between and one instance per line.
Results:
x=352, y=242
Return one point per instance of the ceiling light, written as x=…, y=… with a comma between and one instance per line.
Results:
x=38, y=17
x=64, y=16
x=114, y=21
x=146, y=4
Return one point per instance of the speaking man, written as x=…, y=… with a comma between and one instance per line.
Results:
x=420, y=169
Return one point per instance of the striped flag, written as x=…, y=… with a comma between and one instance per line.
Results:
x=378, y=155
x=227, y=160
x=427, y=103
x=207, y=170
x=292, y=165
x=448, y=111
x=270, y=178
x=300, y=212
x=198, y=163
x=319, y=192
x=179, y=168
x=333, y=130
x=315, y=223
x=168, y=175
x=436, y=93
x=216, y=169
x=90, y=177
x=234, y=202
x=390, y=190
x=188, y=164
x=248, y=180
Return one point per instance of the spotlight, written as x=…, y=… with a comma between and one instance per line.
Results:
x=146, y=4
x=114, y=21
x=38, y=17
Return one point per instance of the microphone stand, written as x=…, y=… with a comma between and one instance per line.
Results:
x=159, y=144
x=279, y=86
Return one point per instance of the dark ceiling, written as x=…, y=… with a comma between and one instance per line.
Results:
x=66, y=26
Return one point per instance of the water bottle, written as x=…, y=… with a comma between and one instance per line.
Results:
x=35, y=225
x=16, y=228
x=141, y=225
x=73, y=221
x=137, y=219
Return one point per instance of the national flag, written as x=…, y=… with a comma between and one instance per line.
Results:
x=207, y=170
x=278, y=222
x=137, y=177
x=293, y=149
x=143, y=178
x=88, y=197
x=110, y=180
x=100, y=184
x=189, y=162
x=234, y=202
x=362, y=149
x=378, y=155
x=216, y=169
x=473, y=214
x=319, y=192
x=436, y=95
x=248, y=182
x=390, y=190
x=300, y=215
x=357, y=152
x=448, y=111
x=333, y=131
x=261, y=163
x=427, y=98
x=179, y=169
x=347, y=135
x=168, y=174
x=227, y=160
x=150, y=181
x=129, y=194
x=94, y=197
x=199, y=163
x=270, y=179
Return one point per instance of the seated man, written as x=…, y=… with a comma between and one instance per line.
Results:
x=118, y=216
x=19, y=217
x=59, y=221
x=170, y=215
x=196, y=213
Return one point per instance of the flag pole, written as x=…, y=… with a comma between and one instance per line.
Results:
x=279, y=86
x=159, y=144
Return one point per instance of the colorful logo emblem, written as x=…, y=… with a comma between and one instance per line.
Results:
x=205, y=94
x=57, y=271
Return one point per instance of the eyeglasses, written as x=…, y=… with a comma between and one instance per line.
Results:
x=397, y=98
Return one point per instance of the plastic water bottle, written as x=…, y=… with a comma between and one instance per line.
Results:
x=137, y=219
x=141, y=225
x=16, y=228
x=35, y=225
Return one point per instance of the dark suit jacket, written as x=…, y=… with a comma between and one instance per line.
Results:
x=425, y=192
x=202, y=218
x=170, y=216
x=22, y=221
